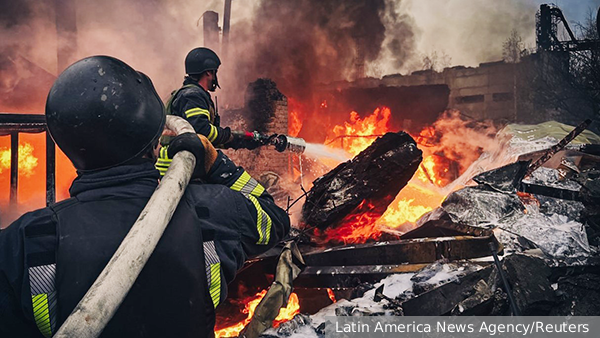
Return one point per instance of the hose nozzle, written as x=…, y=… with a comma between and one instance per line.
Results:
x=287, y=143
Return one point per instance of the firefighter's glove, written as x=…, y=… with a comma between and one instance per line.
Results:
x=242, y=140
x=251, y=144
x=198, y=145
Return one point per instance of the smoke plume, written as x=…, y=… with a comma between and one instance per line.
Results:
x=303, y=43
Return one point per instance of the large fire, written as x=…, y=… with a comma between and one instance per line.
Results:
x=357, y=134
x=285, y=314
x=420, y=196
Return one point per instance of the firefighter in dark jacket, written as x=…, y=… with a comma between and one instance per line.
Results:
x=107, y=119
x=193, y=102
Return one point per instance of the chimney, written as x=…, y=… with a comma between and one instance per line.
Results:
x=211, y=30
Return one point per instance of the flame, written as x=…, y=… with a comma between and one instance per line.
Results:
x=331, y=295
x=430, y=171
x=285, y=314
x=32, y=176
x=403, y=211
x=357, y=134
x=358, y=227
x=27, y=162
x=420, y=196
x=294, y=123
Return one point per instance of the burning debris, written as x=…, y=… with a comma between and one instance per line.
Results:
x=540, y=235
x=364, y=186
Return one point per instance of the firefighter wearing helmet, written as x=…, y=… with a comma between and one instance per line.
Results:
x=194, y=103
x=107, y=119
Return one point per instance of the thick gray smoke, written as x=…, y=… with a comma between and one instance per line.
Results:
x=302, y=43
x=297, y=43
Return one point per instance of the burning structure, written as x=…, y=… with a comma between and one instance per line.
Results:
x=395, y=221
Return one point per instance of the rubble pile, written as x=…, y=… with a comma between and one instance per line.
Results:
x=546, y=223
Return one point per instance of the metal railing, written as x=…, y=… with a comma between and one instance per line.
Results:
x=13, y=125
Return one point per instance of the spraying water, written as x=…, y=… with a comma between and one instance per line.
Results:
x=321, y=151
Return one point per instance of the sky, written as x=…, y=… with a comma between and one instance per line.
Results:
x=574, y=10
x=472, y=31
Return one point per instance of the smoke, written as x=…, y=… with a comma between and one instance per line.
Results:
x=26, y=27
x=302, y=43
x=469, y=31
x=461, y=140
x=298, y=44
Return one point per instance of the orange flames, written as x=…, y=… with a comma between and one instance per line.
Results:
x=27, y=162
x=417, y=198
x=294, y=123
x=285, y=314
x=331, y=295
x=32, y=176
x=356, y=135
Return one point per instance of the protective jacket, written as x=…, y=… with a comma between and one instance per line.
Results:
x=50, y=257
x=194, y=104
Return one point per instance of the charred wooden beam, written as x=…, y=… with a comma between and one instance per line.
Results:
x=441, y=300
x=349, y=276
x=565, y=194
x=367, y=183
x=414, y=251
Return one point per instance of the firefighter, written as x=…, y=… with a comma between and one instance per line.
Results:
x=193, y=102
x=107, y=119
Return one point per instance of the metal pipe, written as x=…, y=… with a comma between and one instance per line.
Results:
x=104, y=297
x=14, y=167
x=50, y=170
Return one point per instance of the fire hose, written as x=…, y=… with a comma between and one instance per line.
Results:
x=104, y=297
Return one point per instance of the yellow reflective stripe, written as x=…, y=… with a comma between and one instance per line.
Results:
x=41, y=314
x=248, y=186
x=163, y=155
x=241, y=181
x=212, y=136
x=197, y=111
x=215, y=283
x=163, y=162
x=263, y=222
x=258, y=190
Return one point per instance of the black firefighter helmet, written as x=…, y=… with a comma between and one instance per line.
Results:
x=200, y=60
x=103, y=113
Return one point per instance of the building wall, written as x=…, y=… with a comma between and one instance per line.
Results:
x=485, y=92
x=265, y=159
